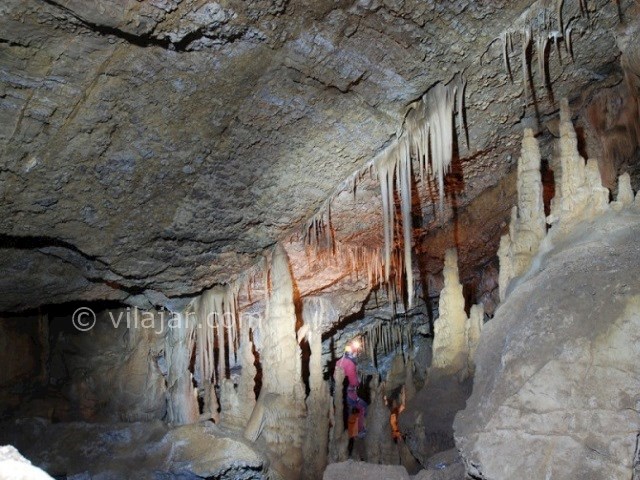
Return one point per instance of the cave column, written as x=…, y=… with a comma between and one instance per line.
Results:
x=280, y=410
x=318, y=401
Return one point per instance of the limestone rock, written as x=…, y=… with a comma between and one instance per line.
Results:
x=625, y=193
x=556, y=385
x=576, y=184
x=201, y=133
x=364, y=471
x=133, y=450
x=456, y=335
x=280, y=410
x=14, y=466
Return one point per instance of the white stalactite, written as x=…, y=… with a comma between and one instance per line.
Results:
x=526, y=41
x=429, y=129
x=541, y=47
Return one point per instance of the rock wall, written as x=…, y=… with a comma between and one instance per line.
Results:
x=115, y=371
x=23, y=358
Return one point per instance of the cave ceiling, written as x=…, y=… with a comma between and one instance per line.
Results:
x=151, y=149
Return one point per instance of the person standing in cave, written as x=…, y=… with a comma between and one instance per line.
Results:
x=393, y=420
x=349, y=365
x=352, y=428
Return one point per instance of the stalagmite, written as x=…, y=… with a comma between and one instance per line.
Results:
x=378, y=442
x=280, y=409
x=625, y=193
x=573, y=200
x=339, y=438
x=472, y=331
x=318, y=402
x=579, y=196
x=410, y=386
x=182, y=403
x=238, y=401
x=449, y=341
x=528, y=225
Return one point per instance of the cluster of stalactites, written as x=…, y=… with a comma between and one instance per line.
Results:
x=545, y=26
x=217, y=331
x=428, y=137
x=384, y=337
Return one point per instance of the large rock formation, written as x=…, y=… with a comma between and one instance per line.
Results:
x=15, y=467
x=280, y=409
x=556, y=388
x=559, y=398
x=427, y=420
x=133, y=450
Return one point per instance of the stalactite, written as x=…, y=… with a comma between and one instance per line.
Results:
x=526, y=40
x=556, y=35
x=215, y=310
x=505, y=54
x=559, y=4
x=439, y=101
x=220, y=334
x=541, y=46
x=182, y=402
x=567, y=39
x=584, y=7
x=404, y=174
x=385, y=170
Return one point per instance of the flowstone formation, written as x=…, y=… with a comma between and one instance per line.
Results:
x=555, y=368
